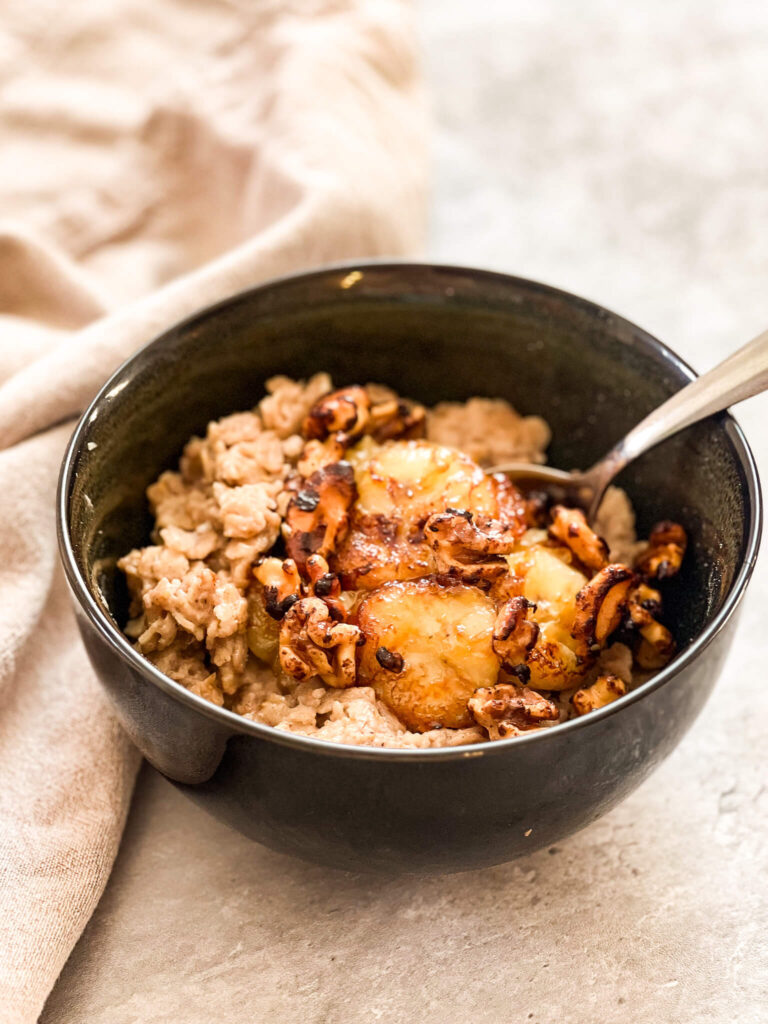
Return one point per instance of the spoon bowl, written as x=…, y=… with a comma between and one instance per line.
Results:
x=740, y=376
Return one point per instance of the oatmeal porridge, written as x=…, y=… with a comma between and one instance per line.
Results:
x=338, y=564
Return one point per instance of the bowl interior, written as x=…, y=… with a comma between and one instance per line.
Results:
x=433, y=334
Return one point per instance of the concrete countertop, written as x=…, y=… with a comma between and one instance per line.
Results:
x=621, y=153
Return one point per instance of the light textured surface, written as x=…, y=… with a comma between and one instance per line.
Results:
x=621, y=153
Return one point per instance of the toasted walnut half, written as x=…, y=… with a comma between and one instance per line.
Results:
x=515, y=632
x=283, y=586
x=507, y=710
x=570, y=527
x=469, y=549
x=665, y=552
x=398, y=420
x=428, y=647
x=312, y=644
x=603, y=691
x=656, y=645
x=349, y=413
x=644, y=601
x=317, y=454
x=318, y=514
x=326, y=585
x=281, y=583
x=600, y=605
x=656, y=648
x=344, y=412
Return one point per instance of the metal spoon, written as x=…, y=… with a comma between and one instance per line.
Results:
x=742, y=375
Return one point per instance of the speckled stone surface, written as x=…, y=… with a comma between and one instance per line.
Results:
x=620, y=153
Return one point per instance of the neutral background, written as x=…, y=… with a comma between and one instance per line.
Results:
x=623, y=154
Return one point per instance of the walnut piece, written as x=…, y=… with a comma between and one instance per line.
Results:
x=313, y=644
x=326, y=585
x=318, y=514
x=665, y=552
x=397, y=419
x=570, y=527
x=507, y=710
x=344, y=413
x=656, y=646
x=514, y=632
x=603, y=691
x=600, y=606
x=349, y=413
x=281, y=583
x=469, y=549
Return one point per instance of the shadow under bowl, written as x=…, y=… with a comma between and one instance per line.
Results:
x=433, y=333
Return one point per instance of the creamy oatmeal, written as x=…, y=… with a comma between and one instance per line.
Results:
x=338, y=564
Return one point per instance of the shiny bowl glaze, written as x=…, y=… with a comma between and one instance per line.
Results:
x=433, y=333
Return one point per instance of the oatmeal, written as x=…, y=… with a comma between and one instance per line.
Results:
x=338, y=564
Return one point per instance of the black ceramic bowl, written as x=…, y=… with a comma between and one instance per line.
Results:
x=432, y=333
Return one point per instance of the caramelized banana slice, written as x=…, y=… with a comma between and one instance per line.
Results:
x=665, y=552
x=570, y=527
x=603, y=691
x=318, y=515
x=548, y=582
x=552, y=662
x=312, y=644
x=377, y=550
x=507, y=710
x=600, y=605
x=428, y=647
x=409, y=480
x=513, y=509
x=400, y=485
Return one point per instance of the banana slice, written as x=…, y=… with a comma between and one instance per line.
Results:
x=428, y=647
x=399, y=485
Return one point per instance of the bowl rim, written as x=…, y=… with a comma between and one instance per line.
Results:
x=233, y=723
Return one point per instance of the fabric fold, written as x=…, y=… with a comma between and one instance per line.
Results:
x=159, y=158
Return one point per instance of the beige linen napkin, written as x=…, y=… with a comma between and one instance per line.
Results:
x=157, y=155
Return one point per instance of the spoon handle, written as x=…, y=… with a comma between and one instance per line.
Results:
x=740, y=376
